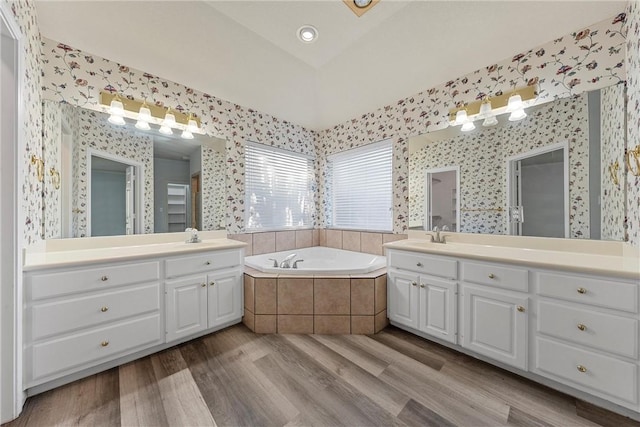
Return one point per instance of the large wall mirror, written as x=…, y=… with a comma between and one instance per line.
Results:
x=115, y=180
x=559, y=172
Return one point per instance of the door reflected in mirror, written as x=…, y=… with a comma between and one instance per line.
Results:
x=442, y=209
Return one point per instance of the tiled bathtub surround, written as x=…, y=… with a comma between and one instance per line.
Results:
x=275, y=241
x=315, y=305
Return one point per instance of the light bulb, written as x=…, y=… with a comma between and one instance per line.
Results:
x=144, y=114
x=142, y=125
x=165, y=130
x=186, y=134
x=461, y=117
x=116, y=108
x=490, y=121
x=517, y=115
x=485, y=109
x=169, y=120
x=192, y=126
x=116, y=120
x=514, y=103
x=469, y=126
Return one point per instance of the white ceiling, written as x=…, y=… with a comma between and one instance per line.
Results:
x=247, y=52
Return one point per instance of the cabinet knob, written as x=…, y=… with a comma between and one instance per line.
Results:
x=492, y=276
x=104, y=343
x=421, y=285
x=582, y=368
x=521, y=309
x=582, y=327
x=419, y=264
x=414, y=284
x=104, y=309
x=212, y=283
x=104, y=278
x=582, y=291
x=203, y=285
x=207, y=263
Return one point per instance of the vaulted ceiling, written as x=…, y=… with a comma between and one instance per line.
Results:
x=247, y=52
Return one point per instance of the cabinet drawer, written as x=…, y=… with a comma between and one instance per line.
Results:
x=614, y=334
x=425, y=264
x=499, y=276
x=78, y=351
x=602, y=374
x=61, y=316
x=55, y=284
x=602, y=293
x=200, y=263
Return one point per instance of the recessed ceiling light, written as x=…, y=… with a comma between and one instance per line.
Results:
x=307, y=33
x=362, y=3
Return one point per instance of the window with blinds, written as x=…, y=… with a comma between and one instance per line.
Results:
x=361, y=187
x=278, y=191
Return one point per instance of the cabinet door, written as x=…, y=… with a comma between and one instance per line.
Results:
x=186, y=302
x=495, y=325
x=225, y=297
x=403, y=298
x=438, y=305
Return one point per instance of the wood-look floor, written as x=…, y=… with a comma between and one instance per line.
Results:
x=237, y=378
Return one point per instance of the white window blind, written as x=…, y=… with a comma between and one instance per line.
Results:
x=278, y=190
x=362, y=187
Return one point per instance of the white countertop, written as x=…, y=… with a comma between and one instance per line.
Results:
x=625, y=266
x=38, y=259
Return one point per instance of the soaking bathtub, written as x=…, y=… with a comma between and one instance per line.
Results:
x=318, y=260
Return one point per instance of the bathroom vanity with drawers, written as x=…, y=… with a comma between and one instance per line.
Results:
x=86, y=311
x=571, y=326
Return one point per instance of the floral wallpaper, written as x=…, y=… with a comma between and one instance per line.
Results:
x=51, y=146
x=581, y=61
x=97, y=133
x=612, y=137
x=213, y=189
x=482, y=156
x=633, y=119
x=32, y=189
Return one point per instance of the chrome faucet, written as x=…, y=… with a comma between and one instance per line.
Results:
x=295, y=263
x=193, y=236
x=437, y=238
x=285, y=262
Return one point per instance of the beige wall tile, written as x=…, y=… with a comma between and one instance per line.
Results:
x=351, y=241
x=265, y=291
x=362, y=297
x=364, y=325
x=265, y=324
x=381, y=293
x=285, y=240
x=246, y=238
x=315, y=237
x=295, y=296
x=249, y=319
x=295, y=324
x=304, y=238
x=332, y=325
x=388, y=237
x=371, y=243
x=331, y=296
x=381, y=321
x=322, y=237
x=264, y=243
x=249, y=286
x=334, y=239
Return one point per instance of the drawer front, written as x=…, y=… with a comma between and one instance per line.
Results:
x=602, y=374
x=499, y=276
x=183, y=266
x=77, y=351
x=425, y=264
x=602, y=293
x=61, y=316
x=606, y=332
x=49, y=285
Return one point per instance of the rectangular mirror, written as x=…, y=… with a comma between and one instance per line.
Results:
x=550, y=174
x=116, y=180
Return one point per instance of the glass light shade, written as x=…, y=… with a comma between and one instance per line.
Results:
x=144, y=114
x=490, y=121
x=485, y=109
x=186, y=134
x=461, y=117
x=169, y=120
x=517, y=115
x=165, y=130
x=192, y=126
x=142, y=125
x=116, y=120
x=469, y=126
x=514, y=103
x=116, y=108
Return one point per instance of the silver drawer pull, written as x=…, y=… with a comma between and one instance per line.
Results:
x=204, y=285
x=582, y=369
x=212, y=283
x=492, y=276
x=104, y=309
x=414, y=284
x=104, y=343
x=419, y=264
x=521, y=309
x=582, y=291
x=582, y=327
x=422, y=286
x=104, y=278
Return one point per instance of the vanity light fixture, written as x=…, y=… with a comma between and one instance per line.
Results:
x=467, y=127
x=192, y=125
x=116, y=111
x=168, y=122
x=144, y=117
x=486, y=113
x=307, y=33
x=461, y=117
x=515, y=106
x=490, y=121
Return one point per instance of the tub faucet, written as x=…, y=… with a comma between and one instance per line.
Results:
x=275, y=262
x=295, y=263
x=285, y=262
